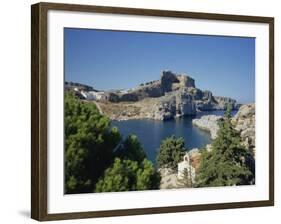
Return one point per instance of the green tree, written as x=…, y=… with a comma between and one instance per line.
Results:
x=131, y=149
x=130, y=170
x=171, y=152
x=186, y=179
x=228, y=162
x=128, y=175
x=89, y=144
x=147, y=177
x=118, y=177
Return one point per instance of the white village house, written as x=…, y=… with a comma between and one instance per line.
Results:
x=92, y=95
x=186, y=164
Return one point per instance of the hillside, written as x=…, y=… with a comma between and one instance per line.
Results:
x=173, y=95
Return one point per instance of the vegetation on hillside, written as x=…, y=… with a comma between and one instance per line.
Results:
x=129, y=175
x=131, y=149
x=98, y=159
x=229, y=163
x=171, y=152
x=95, y=156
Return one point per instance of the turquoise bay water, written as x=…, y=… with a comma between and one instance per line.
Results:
x=151, y=132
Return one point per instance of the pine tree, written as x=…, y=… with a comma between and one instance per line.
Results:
x=128, y=175
x=89, y=144
x=186, y=179
x=91, y=160
x=171, y=152
x=227, y=163
x=131, y=149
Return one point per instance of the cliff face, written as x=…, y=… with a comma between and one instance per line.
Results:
x=172, y=82
x=169, y=82
x=173, y=95
x=244, y=121
x=208, y=123
x=174, y=104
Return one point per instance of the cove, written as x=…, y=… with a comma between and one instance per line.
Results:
x=151, y=132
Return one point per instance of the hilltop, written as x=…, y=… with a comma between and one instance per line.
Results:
x=173, y=95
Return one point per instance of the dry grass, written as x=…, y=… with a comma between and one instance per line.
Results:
x=122, y=110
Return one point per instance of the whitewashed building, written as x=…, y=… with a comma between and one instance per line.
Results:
x=92, y=95
x=186, y=164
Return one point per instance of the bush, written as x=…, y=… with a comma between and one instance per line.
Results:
x=131, y=149
x=171, y=152
x=128, y=175
x=91, y=148
x=227, y=164
x=89, y=142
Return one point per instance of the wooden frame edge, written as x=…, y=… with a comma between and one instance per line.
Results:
x=155, y=210
x=35, y=192
x=271, y=111
x=39, y=110
x=154, y=12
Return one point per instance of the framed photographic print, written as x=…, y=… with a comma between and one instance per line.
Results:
x=140, y=111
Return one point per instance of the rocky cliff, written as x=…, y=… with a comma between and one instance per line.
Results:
x=172, y=82
x=168, y=82
x=173, y=95
x=208, y=123
x=173, y=104
x=244, y=122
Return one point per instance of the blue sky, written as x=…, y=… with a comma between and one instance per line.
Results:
x=120, y=60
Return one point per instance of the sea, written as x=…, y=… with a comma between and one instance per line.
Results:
x=151, y=132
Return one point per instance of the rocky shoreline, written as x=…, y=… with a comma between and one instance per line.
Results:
x=244, y=122
x=208, y=123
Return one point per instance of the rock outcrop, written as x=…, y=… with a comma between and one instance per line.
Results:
x=168, y=178
x=169, y=82
x=208, y=123
x=172, y=82
x=223, y=102
x=244, y=122
x=173, y=95
x=174, y=104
